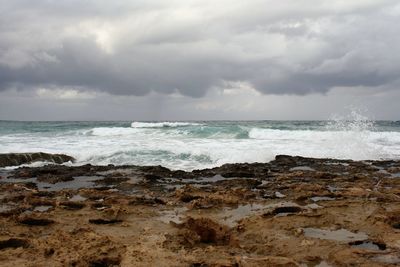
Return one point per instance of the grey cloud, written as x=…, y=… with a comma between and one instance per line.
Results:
x=142, y=46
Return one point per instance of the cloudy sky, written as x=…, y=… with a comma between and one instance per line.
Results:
x=195, y=60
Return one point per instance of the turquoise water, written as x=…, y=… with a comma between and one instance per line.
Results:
x=200, y=144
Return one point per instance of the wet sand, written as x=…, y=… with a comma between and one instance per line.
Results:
x=293, y=211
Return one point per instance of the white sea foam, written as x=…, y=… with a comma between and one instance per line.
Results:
x=161, y=124
x=209, y=145
x=111, y=131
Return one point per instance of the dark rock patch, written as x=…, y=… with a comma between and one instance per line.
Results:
x=188, y=197
x=396, y=225
x=15, y=159
x=283, y=210
x=105, y=262
x=70, y=205
x=104, y=221
x=13, y=243
x=147, y=201
x=35, y=221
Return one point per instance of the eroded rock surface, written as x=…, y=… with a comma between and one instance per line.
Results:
x=293, y=211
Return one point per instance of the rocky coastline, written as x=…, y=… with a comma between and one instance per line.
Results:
x=16, y=159
x=292, y=211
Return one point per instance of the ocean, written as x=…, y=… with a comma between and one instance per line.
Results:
x=203, y=144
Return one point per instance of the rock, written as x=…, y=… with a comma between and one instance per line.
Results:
x=268, y=261
x=104, y=221
x=205, y=230
x=32, y=221
x=15, y=159
x=13, y=243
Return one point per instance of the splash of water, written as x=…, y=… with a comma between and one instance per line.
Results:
x=354, y=121
x=352, y=135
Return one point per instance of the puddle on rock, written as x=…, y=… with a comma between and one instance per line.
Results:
x=42, y=208
x=231, y=217
x=302, y=168
x=313, y=206
x=341, y=235
x=333, y=189
x=6, y=207
x=368, y=245
x=387, y=259
x=337, y=163
x=78, y=183
x=395, y=175
x=212, y=179
x=316, y=199
x=77, y=198
x=117, y=171
x=176, y=183
x=174, y=215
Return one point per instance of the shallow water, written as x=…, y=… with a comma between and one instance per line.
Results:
x=42, y=208
x=231, y=216
x=77, y=198
x=368, y=245
x=78, y=183
x=316, y=199
x=341, y=235
x=175, y=215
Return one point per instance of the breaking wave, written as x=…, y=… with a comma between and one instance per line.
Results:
x=161, y=124
x=196, y=145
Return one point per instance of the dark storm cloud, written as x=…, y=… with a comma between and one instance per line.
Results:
x=135, y=47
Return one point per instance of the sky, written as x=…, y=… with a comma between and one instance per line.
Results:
x=198, y=59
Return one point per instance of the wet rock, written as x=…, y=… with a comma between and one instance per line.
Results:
x=392, y=218
x=100, y=206
x=71, y=205
x=188, y=197
x=268, y=261
x=47, y=194
x=104, y=221
x=283, y=210
x=15, y=159
x=32, y=221
x=13, y=243
x=147, y=201
x=235, y=207
x=105, y=262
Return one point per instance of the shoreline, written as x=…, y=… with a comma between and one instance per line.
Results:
x=292, y=211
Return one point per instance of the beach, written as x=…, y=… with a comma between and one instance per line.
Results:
x=291, y=211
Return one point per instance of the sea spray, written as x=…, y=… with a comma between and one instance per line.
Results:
x=352, y=136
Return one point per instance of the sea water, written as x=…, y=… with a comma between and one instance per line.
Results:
x=201, y=144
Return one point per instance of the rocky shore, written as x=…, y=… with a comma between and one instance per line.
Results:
x=15, y=159
x=293, y=211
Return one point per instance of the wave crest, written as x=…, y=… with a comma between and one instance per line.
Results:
x=161, y=124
